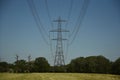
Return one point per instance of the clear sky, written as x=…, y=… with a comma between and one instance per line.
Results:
x=99, y=33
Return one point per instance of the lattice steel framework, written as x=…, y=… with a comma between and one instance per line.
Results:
x=59, y=56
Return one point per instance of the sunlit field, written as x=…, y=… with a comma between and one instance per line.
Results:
x=57, y=76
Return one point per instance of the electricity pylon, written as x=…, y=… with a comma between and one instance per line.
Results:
x=59, y=56
x=29, y=58
x=17, y=57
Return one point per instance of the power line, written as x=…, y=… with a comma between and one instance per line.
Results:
x=47, y=8
x=66, y=25
x=50, y=20
x=51, y=46
x=79, y=20
x=75, y=31
x=69, y=13
x=78, y=23
x=37, y=19
x=41, y=25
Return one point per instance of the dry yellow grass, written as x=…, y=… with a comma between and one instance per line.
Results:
x=57, y=76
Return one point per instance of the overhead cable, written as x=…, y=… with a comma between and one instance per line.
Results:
x=37, y=19
x=79, y=20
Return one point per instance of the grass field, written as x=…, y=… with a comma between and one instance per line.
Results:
x=57, y=76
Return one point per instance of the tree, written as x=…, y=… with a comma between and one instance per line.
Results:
x=71, y=66
x=116, y=67
x=11, y=67
x=4, y=67
x=30, y=66
x=91, y=64
x=20, y=66
x=41, y=65
x=103, y=64
x=98, y=64
x=77, y=65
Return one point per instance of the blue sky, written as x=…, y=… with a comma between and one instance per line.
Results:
x=99, y=33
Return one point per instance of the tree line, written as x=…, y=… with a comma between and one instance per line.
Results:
x=91, y=64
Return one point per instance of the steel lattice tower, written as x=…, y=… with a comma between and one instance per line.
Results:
x=59, y=56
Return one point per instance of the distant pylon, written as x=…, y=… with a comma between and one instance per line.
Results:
x=59, y=56
x=17, y=57
x=29, y=58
